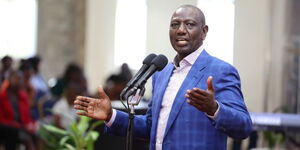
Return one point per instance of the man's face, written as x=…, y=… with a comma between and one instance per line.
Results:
x=187, y=31
x=15, y=80
x=7, y=63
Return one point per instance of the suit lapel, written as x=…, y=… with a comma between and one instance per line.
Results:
x=194, y=76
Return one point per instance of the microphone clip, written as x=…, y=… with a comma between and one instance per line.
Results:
x=136, y=96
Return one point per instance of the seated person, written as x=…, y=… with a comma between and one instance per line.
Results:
x=27, y=71
x=72, y=73
x=115, y=83
x=64, y=114
x=114, y=86
x=16, y=125
x=6, y=69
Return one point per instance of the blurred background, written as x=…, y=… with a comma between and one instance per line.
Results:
x=53, y=50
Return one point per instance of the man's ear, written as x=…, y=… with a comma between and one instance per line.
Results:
x=204, y=31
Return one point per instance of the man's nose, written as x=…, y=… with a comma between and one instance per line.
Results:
x=181, y=29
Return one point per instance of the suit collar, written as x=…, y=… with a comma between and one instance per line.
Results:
x=190, y=59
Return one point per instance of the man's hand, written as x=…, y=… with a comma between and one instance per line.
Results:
x=203, y=100
x=99, y=109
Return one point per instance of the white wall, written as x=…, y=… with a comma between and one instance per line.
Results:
x=250, y=44
x=99, y=41
x=258, y=51
x=276, y=56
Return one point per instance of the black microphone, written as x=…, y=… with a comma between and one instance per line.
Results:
x=157, y=64
x=146, y=64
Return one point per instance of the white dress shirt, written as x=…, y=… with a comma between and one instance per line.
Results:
x=179, y=74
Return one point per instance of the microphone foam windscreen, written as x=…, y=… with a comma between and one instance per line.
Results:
x=149, y=59
x=160, y=62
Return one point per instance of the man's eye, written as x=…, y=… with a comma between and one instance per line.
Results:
x=190, y=25
x=174, y=25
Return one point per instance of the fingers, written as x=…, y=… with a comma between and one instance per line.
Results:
x=199, y=96
x=102, y=93
x=82, y=113
x=203, y=100
x=79, y=107
x=199, y=91
x=195, y=96
x=210, y=86
x=193, y=103
x=83, y=98
x=81, y=103
x=83, y=109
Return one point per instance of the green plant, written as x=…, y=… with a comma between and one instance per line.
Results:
x=79, y=136
x=273, y=138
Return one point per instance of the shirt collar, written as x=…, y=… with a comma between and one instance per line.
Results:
x=190, y=59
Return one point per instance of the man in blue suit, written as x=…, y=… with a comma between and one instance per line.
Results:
x=196, y=100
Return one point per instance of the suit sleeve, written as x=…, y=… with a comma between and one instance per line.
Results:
x=233, y=117
x=142, y=123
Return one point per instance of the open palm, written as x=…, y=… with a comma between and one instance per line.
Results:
x=99, y=109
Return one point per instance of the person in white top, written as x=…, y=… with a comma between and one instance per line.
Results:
x=63, y=112
x=188, y=111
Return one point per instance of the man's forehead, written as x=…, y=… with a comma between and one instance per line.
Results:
x=187, y=8
x=189, y=12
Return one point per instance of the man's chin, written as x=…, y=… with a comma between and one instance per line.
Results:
x=183, y=50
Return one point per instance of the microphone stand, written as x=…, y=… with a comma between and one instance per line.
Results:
x=132, y=101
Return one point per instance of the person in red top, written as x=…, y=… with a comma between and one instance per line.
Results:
x=16, y=125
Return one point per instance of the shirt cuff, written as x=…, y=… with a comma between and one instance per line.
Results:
x=112, y=119
x=216, y=113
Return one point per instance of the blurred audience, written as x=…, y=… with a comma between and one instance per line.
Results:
x=64, y=113
x=115, y=83
x=37, y=80
x=42, y=100
x=27, y=72
x=6, y=68
x=125, y=72
x=16, y=125
x=26, y=101
x=72, y=73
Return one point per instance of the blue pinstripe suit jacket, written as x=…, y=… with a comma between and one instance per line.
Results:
x=187, y=127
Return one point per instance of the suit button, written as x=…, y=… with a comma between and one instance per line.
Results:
x=213, y=123
x=158, y=141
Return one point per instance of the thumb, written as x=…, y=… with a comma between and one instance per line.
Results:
x=210, y=86
x=102, y=94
